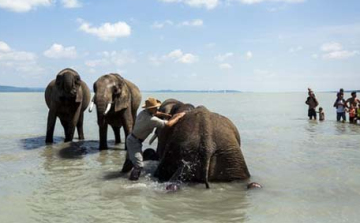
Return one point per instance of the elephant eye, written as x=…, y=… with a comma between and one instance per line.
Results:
x=116, y=90
x=77, y=80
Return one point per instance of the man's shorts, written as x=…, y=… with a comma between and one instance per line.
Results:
x=312, y=113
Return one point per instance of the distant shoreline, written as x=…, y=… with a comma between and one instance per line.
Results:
x=12, y=89
x=24, y=89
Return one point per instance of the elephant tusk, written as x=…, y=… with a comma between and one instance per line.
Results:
x=107, y=108
x=91, y=106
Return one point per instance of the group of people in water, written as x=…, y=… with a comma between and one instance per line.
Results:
x=350, y=106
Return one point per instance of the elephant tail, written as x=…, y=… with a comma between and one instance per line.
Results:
x=207, y=146
x=206, y=171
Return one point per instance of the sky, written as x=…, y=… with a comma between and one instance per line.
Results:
x=245, y=45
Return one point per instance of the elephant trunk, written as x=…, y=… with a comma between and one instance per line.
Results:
x=69, y=86
x=103, y=106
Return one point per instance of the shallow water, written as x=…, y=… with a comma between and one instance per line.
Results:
x=309, y=169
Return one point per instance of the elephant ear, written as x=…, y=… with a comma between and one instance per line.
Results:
x=122, y=95
x=79, y=95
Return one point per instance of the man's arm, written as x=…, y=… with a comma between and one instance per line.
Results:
x=346, y=102
x=162, y=115
x=175, y=119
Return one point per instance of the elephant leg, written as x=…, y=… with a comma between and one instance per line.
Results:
x=103, y=136
x=117, y=134
x=79, y=127
x=50, y=127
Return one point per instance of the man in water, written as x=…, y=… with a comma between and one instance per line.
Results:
x=352, y=101
x=146, y=121
x=313, y=103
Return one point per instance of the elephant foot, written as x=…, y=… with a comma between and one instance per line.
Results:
x=103, y=148
x=49, y=139
x=253, y=185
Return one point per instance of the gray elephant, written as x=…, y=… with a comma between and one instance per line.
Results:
x=203, y=146
x=66, y=97
x=117, y=101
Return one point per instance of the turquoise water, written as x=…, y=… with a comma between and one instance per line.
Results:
x=309, y=169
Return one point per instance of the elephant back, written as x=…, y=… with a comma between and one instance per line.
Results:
x=135, y=95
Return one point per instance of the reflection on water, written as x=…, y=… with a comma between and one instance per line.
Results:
x=308, y=169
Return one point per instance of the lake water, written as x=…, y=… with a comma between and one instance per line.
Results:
x=309, y=169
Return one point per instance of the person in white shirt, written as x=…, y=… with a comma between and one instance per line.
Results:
x=146, y=121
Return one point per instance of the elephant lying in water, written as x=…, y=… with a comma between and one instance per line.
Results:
x=66, y=97
x=203, y=146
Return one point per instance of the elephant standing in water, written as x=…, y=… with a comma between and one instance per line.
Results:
x=117, y=101
x=66, y=97
x=203, y=146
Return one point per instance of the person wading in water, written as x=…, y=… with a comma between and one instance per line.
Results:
x=146, y=121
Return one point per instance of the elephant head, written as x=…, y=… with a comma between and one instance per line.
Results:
x=68, y=83
x=111, y=92
x=117, y=101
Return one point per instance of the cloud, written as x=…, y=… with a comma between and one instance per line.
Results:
x=208, y=4
x=334, y=50
x=71, y=3
x=175, y=56
x=188, y=58
x=107, y=31
x=58, y=51
x=333, y=46
x=250, y=2
x=160, y=25
x=195, y=22
x=295, y=49
x=249, y=55
x=4, y=47
x=18, y=60
x=23, y=5
x=343, y=54
x=223, y=57
x=111, y=58
x=225, y=66
x=315, y=56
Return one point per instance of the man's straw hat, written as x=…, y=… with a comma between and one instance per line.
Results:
x=151, y=103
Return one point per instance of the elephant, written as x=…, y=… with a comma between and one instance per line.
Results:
x=117, y=101
x=66, y=97
x=203, y=146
